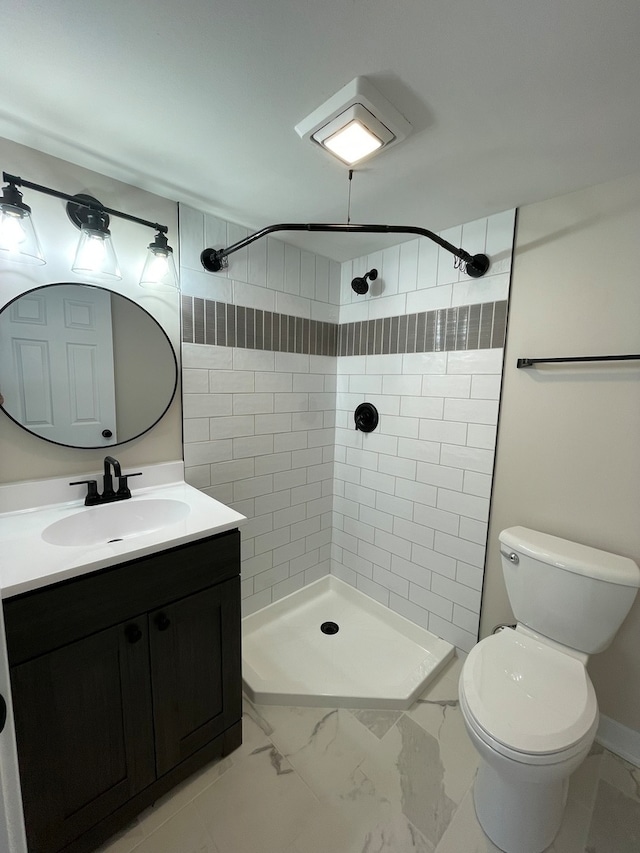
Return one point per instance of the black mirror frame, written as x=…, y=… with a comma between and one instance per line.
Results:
x=137, y=305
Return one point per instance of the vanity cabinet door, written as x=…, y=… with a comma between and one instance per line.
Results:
x=195, y=671
x=124, y=683
x=85, y=745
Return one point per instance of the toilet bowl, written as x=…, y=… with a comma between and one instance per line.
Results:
x=527, y=702
x=532, y=715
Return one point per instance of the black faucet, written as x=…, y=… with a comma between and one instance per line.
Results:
x=108, y=493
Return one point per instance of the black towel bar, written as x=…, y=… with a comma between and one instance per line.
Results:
x=531, y=362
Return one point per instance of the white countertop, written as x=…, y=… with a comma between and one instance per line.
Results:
x=28, y=562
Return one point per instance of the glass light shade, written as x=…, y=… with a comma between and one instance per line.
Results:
x=18, y=239
x=353, y=142
x=159, y=271
x=95, y=255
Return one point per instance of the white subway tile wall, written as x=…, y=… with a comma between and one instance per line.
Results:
x=421, y=484
x=259, y=416
x=401, y=512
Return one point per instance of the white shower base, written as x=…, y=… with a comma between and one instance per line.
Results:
x=377, y=659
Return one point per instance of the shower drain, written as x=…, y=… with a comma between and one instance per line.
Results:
x=329, y=628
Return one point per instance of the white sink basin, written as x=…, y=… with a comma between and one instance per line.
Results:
x=116, y=521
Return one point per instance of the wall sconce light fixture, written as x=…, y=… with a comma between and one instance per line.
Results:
x=95, y=255
x=159, y=271
x=18, y=238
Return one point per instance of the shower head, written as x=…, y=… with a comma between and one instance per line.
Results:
x=360, y=284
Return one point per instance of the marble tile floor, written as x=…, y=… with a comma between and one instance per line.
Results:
x=312, y=780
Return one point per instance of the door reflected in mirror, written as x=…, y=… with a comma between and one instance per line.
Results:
x=82, y=366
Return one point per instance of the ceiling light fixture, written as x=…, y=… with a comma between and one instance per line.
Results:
x=95, y=255
x=354, y=138
x=355, y=123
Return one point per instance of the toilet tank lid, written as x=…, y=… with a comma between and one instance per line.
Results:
x=572, y=557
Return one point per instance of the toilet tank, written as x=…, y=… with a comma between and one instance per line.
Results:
x=573, y=594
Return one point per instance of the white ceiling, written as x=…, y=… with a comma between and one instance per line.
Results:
x=511, y=101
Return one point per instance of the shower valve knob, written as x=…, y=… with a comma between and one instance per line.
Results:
x=366, y=417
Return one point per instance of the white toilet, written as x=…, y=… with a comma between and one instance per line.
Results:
x=525, y=695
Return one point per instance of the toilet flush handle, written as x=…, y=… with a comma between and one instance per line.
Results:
x=514, y=557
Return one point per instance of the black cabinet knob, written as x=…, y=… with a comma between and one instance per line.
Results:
x=3, y=712
x=106, y=433
x=133, y=633
x=162, y=621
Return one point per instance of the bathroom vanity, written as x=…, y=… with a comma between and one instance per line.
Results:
x=124, y=658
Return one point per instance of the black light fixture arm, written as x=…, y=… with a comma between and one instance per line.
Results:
x=86, y=201
x=213, y=260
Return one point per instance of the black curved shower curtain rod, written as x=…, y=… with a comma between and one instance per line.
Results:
x=213, y=260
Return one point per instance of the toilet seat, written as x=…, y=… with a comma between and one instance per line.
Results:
x=526, y=700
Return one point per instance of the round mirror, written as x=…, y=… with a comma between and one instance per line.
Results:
x=83, y=366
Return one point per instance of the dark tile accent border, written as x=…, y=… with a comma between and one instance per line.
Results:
x=466, y=327
x=198, y=320
x=187, y=319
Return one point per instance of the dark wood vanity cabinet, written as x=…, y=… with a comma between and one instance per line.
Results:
x=124, y=682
